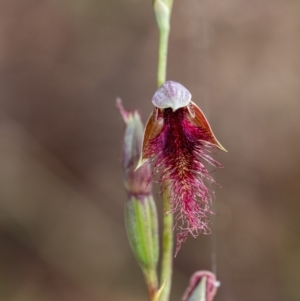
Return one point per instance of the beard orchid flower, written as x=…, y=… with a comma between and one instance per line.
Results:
x=179, y=139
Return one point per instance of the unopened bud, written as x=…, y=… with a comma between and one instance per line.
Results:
x=202, y=287
x=136, y=182
x=140, y=210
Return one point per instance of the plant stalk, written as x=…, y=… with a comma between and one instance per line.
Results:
x=162, y=10
x=167, y=249
x=162, y=56
x=152, y=283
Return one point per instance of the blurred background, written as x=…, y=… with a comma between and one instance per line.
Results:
x=63, y=63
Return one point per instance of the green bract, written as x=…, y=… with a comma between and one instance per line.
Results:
x=142, y=230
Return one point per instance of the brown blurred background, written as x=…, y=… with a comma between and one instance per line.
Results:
x=63, y=63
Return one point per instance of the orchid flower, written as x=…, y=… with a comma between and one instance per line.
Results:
x=179, y=139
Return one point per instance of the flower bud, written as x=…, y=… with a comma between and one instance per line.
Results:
x=137, y=182
x=202, y=287
x=140, y=210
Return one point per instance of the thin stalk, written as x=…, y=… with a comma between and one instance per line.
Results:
x=162, y=10
x=167, y=249
x=162, y=56
x=152, y=283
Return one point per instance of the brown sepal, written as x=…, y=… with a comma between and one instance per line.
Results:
x=153, y=127
x=197, y=118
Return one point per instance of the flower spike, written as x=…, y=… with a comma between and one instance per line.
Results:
x=178, y=138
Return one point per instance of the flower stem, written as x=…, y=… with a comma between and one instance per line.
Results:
x=167, y=249
x=152, y=283
x=162, y=56
x=162, y=10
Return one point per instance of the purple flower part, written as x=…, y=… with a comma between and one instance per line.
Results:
x=211, y=285
x=179, y=142
x=171, y=95
x=178, y=150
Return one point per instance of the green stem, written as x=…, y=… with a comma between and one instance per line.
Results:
x=162, y=10
x=162, y=56
x=152, y=283
x=167, y=249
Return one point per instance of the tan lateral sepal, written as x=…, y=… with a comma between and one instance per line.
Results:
x=197, y=117
x=153, y=127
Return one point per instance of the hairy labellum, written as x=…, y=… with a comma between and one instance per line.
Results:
x=179, y=139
